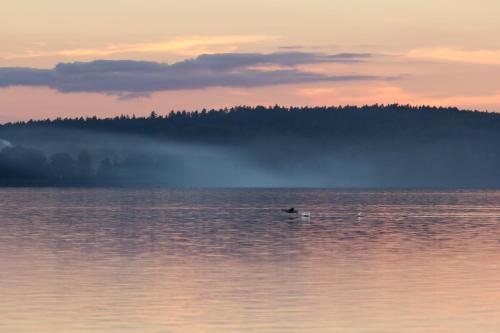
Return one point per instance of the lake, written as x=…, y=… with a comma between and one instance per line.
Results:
x=120, y=260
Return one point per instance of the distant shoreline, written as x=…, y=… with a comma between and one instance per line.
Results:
x=378, y=146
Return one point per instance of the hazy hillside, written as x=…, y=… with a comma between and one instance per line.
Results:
x=372, y=146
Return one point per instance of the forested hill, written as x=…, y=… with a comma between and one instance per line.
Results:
x=370, y=146
x=242, y=123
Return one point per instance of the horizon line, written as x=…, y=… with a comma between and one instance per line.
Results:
x=254, y=107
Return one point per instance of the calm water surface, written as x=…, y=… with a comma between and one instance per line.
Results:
x=217, y=261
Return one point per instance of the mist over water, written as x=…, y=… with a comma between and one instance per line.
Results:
x=110, y=159
x=5, y=144
x=271, y=162
x=83, y=260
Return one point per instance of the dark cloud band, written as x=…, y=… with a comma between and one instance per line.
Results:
x=215, y=70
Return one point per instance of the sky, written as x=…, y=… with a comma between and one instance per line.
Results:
x=106, y=58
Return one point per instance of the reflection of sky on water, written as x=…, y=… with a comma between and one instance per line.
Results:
x=230, y=261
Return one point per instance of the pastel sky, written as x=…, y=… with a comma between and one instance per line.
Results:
x=106, y=58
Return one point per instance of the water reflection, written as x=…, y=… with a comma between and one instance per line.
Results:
x=230, y=261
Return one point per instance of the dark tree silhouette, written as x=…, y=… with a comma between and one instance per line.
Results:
x=18, y=164
x=84, y=168
x=377, y=145
x=105, y=171
x=63, y=167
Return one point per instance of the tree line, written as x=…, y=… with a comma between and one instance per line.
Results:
x=32, y=167
x=244, y=122
x=377, y=145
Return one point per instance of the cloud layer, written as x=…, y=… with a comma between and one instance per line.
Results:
x=205, y=71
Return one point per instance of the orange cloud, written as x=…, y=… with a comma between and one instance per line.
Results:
x=188, y=46
x=488, y=57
